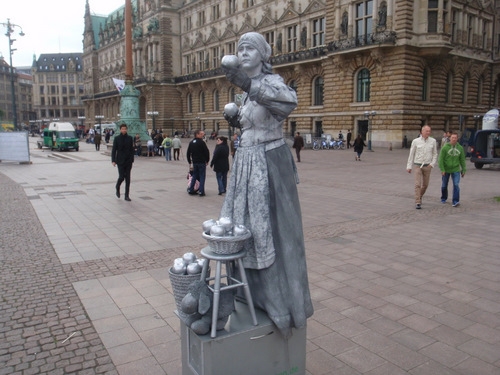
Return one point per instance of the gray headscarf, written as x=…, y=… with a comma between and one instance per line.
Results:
x=257, y=41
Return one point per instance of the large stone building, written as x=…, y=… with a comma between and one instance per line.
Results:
x=58, y=87
x=382, y=68
x=23, y=91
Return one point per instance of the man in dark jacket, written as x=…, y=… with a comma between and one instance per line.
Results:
x=122, y=155
x=298, y=145
x=198, y=157
x=220, y=163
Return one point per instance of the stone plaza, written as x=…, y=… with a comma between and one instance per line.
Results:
x=85, y=289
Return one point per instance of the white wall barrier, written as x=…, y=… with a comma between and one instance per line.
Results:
x=14, y=146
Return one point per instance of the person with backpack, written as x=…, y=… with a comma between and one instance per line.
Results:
x=167, y=147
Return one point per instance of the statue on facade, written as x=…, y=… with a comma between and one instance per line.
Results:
x=137, y=33
x=303, y=37
x=344, y=23
x=279, y=43
x=262, y=191
x=382, y=15
x=153, y=25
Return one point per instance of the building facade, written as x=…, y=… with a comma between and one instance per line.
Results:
x=381, y=68
x=23, y=90
x=58, y=87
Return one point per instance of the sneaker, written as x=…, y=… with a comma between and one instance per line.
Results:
x=418, y=206
x=443, y=201
x=456, y=204
x=201, y=194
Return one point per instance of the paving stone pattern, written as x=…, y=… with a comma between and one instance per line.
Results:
x=395, y=290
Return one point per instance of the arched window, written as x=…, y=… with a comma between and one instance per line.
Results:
x=480, y=83
x=216, y=100
x=363, y=86
x=202, y=101
x=318, y=91
x=232, y=95
x=189, y=103
x=293, y=85
x=449, y=84
x=465, y=89
x=425, y=85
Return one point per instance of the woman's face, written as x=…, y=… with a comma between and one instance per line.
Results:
x=249, y=57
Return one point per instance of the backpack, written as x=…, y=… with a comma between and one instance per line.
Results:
x=168, y=143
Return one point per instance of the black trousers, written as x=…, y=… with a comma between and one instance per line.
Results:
x=124, y=174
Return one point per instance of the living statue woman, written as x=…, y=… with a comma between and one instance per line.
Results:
x=262, y=191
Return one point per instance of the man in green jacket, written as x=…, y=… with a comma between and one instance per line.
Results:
x=452, y=163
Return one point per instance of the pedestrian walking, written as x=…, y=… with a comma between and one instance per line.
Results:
x=176, y=145
x=122, y=155
x=97, y=141
x=452, y=164
x=358, y=145
x=198, y=155
x=349, y=136
x=220, y=163
x=298, y=145
x=167, y=148
x=422, y=158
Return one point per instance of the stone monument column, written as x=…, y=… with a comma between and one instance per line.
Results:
x=129, y=102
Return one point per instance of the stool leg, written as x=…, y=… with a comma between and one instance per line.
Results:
x=215, y=308
x=248, y=295
x=204, y=270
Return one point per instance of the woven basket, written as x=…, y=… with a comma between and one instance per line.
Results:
x=226, y=245
x=180, y=285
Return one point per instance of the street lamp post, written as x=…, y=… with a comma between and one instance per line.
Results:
x=370, y=115
x=99, y=118
x=10, y=30
x=153, y=114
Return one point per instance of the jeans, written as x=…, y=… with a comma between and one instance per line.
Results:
x=455, y=177
x=199, y=171
x=168, y=153
x=221, y=181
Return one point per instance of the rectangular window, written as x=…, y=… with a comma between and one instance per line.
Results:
x=470, y=21
x=270, y=39
x=65, y=100
x=454, y=25
x=230, y=48
x=201, y=18
x=364, y=20
x=188, y=23
x=291, y=38
x=215, y=12
x=201, y=60
x=42, y=90
x=42, y=101
x=318, y=32
x=231, y=6
x=432, y=16
x=215, y=57
x=188, y=64
x=72, y=89
x=53, y=89
x=64, y=90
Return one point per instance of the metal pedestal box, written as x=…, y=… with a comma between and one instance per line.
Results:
x=244, y=349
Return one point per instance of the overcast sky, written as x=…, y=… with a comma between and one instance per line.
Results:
x=51, y=26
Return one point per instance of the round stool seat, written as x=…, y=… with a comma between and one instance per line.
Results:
x=209, y=254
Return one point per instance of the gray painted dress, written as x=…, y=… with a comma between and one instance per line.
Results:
x=262, y=195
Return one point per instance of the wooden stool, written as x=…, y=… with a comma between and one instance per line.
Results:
x=231, y=281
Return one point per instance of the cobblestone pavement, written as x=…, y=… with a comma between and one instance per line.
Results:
x=85, y=287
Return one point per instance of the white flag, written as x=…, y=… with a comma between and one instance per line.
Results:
x=119, y=83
